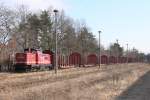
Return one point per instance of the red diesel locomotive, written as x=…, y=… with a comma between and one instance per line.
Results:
x=33, y=59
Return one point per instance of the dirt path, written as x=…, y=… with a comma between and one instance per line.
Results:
x=76, y=84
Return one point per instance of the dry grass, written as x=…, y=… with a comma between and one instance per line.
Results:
x=71, y=84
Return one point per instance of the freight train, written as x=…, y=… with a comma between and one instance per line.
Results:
x=35, y=59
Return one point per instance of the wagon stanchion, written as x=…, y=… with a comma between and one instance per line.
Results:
x=66, y=60
x=127, y=54
x=63, y=58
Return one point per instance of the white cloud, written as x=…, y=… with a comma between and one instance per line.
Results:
x=38, y=4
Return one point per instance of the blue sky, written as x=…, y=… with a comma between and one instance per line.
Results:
x=125, y=20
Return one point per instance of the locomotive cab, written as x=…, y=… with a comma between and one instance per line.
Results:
x=32, y=59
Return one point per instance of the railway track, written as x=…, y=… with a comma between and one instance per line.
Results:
x=9, y=76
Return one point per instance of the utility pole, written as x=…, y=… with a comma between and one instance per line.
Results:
x=56, y=59
x=99, y=49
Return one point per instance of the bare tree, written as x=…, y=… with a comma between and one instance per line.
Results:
x=21, y=31
x=7, y=23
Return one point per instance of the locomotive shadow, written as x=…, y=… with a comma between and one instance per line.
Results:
x=140, y=90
